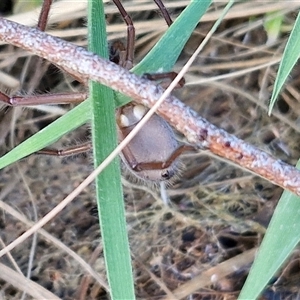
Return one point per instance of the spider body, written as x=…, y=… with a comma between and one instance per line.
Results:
x=147, y=154
x=152, y=155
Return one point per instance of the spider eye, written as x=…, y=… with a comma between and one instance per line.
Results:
x=165, y=175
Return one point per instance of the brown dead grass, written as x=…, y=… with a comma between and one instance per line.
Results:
x=218, y=212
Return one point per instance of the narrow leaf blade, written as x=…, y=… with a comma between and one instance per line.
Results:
x=282, y=236
x=289, y=59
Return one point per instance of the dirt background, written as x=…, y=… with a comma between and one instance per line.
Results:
x=217, y=211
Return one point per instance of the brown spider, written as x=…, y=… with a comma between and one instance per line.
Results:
x=153, y=153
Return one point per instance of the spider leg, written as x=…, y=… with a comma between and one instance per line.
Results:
x=164, y=12
x=68, y=151
x=43, y=17
x=63, y=98
x=166, y=75
x=128, y=63
x=163, y=165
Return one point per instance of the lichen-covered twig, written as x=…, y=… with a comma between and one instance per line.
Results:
x=88, y=66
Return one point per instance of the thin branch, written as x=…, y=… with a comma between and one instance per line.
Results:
x=198, y=131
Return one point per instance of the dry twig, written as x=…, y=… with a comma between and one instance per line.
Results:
x=88, y=66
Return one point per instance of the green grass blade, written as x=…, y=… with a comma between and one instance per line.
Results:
x=24, y=6
x=50, y=134
x=289, y=59
x=273, y=26
x=172, y=42
x=108, y=184
x=282, y=236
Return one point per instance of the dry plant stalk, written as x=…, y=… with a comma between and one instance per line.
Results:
x=88, y=66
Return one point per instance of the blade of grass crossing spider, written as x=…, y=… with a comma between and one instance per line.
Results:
x=108, y=184
x=50, y=134
x=165, y=53
x=289, y=59
x=281, y=238
x=173, y=40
